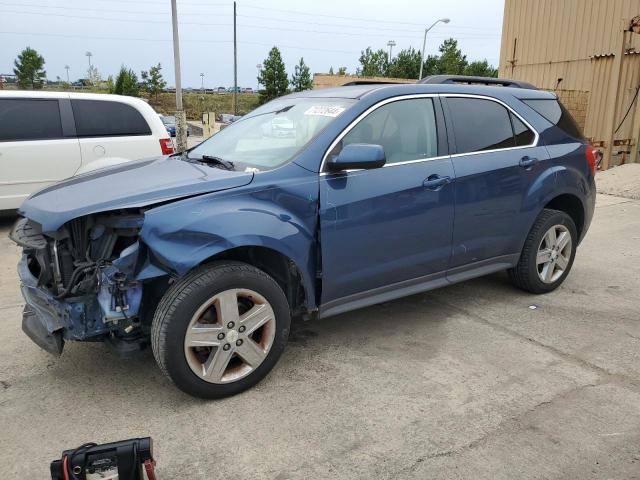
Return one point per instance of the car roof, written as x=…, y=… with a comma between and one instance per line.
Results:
x=71, y=95
x=393, y=89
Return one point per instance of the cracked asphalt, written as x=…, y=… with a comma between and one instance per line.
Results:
x=472, y=381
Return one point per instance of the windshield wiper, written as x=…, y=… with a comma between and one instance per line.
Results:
x=216, y=161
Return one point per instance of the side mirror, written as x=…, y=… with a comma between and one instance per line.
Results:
x=357, y=156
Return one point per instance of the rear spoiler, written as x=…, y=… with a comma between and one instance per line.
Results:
x=463, y=79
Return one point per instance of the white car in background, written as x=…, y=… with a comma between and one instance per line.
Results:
x=46, y=137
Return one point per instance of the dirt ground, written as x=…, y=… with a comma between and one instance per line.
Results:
x=473, y=381
x=622, y=181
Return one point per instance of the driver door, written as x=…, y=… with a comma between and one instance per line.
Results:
x=386, y=232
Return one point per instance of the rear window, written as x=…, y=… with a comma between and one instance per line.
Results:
x=29, y=119
x=99, y=118
x=554, y=111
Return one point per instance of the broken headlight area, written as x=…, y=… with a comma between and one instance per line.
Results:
x=80, y=282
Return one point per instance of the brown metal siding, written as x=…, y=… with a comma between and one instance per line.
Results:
x=575, y=40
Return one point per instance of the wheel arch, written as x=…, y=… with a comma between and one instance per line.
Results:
x=275, y=264
x=572, y=206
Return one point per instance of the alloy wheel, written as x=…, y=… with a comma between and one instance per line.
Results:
x=229, y=336
x=554, y=253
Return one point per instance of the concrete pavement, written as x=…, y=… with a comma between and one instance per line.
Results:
x=477, y=381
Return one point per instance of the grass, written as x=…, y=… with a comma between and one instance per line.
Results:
x=195, y=103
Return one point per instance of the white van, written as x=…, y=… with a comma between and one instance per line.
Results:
x=49, y=136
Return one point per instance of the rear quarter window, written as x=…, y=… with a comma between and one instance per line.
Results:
x=23, y=119
x=556, y=113
x=103, y=118
x=480, y=125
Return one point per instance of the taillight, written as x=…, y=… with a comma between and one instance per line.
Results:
x=166, y=146
x=590, y=154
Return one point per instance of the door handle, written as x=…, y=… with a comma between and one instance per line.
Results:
x=436, y=182
x=528, y=162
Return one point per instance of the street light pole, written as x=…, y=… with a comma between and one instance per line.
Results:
x=424, y=42
x=181, y=119
x=67, y=69
x=391, y=44
x=89, y=55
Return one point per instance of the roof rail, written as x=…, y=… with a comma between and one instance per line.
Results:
x=371, y=82
x=453, y=79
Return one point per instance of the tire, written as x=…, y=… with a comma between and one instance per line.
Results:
x=198, y=300
x=534, y=277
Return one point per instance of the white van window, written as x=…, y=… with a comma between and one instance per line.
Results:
x=29, y=119
x=99, y=118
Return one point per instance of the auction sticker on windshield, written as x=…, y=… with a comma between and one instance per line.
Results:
x=325, y=110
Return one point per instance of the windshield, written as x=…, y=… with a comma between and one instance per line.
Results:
x=272, y=134
x=169, y=120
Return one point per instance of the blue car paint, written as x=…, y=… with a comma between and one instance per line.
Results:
x=369, y=232
x=134, y=184
x=278, y=211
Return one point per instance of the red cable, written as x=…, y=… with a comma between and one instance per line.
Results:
x=149, y=466
x=65, y=467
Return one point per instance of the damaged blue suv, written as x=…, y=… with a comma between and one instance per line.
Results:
x=373, y=192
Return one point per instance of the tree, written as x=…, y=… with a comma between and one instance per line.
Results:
x=273, y=76
x=480, y=69
x=126, y=83
x=342, y=71
x=374, y=64
x=451, y=61
x=331, y=71
x=301, y=79
x=152, y=81
x=405, y=65
x=28, y=69
x=93, y=76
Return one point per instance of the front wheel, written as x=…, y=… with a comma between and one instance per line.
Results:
x=220, y=329
x=548, y=253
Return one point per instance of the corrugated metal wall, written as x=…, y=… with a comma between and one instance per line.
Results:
x=558, y=38
x=576, y=41
x=598, y=104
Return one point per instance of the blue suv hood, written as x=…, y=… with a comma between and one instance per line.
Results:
x=134, y=184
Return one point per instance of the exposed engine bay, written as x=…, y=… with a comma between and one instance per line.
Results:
x=82, y=278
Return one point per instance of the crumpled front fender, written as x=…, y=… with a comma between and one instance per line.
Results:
x=183, y=235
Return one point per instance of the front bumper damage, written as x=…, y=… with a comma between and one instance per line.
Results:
x=50, y=322
x=110, y=311
x=43, y=317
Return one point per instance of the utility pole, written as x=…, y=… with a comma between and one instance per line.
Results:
x=259, y=67
x=391, y=44
x=235, y=64
x=202, y=84
x=181, y=118
x=424, y=42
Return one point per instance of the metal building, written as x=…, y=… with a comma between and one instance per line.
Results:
x=588, y=52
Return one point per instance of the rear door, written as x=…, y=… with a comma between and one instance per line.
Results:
x=111, y=129
x=497, y=161
x=37, y=146
x=388, y=225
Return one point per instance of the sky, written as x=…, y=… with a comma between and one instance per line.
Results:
x=330, y=33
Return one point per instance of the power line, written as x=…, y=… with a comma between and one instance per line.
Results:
x=100, y=10
x=298, y=12
x=265, y=27
x=146, y=13
x=128, y=39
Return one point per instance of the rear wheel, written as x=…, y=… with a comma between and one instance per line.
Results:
x=548, y=253
x=220, y=329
